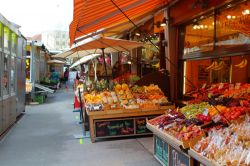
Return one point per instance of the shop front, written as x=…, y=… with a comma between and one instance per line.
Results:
x=11, y=38
x=209, y=51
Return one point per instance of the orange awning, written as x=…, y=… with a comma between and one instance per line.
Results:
x=92, y=15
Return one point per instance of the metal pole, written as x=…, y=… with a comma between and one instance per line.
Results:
x=104, y=63
x=81, y=111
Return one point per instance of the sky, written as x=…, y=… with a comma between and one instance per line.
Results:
x=36, y=16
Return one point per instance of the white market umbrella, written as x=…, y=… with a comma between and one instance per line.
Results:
x=105, y=44
x=55, y=61
x=77, y=53
x=84, y=60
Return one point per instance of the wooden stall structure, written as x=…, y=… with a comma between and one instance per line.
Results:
x=121, y=122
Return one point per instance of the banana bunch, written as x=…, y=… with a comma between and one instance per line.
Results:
x=242, y=64
x=216, y=66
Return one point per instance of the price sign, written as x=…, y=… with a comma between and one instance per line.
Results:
x=204, y=86
x=231, y=86
x=216, y=118
x=177, y=158
x=141, y=126
x=237, y=86
x=221, y=85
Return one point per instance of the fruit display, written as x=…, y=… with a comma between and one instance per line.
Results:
x=217, y=65
x=219, y=91
x=227, y=146
x=125, y=96
x=93, y=101
x=148, y=96
x=109, y=97
x=242, y=64
x=175, y=124
x=127, y=78
x=192, y=110
x=93, y=98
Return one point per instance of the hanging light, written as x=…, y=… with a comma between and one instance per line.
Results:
x=164, y=22
x=137, y=34
x=246, y=12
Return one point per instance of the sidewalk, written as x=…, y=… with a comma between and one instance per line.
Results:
x=45, y=137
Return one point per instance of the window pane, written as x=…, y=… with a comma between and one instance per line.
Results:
x=6, y=38
x=233, y=26
x=5, y=85
x=1, y=28
x=27, y=68
x=14, y=43
x=12, y=74
x=199, y=36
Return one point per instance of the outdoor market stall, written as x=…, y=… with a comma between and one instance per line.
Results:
x=121, y=111
x=214, y=130
x=213, y=75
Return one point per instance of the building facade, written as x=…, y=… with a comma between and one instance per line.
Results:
x=55, y=40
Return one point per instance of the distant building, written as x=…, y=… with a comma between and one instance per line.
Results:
x=55, y=40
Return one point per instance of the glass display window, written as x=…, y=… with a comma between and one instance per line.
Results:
x=6, y=39
x=1, y=35
x=220, y=70
x=13, y=74
x=13, y=43
x=199, y=35
x=232, y=25
x=5, y=81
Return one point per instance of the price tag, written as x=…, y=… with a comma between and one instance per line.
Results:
x=204, y=86
x=205, y=112
x=237, y=86
x=231, y=86
x=216, y=118
x=221, y=85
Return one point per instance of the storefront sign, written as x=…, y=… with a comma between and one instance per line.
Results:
x=177, y=158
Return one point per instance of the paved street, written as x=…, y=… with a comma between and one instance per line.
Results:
x=45, y=137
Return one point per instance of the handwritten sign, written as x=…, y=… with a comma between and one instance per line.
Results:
x=114, y=128
x=141, y=126
x=177, y=158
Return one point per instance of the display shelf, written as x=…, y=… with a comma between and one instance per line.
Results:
x=200, y=158
x=166, y=137
x=136, y=117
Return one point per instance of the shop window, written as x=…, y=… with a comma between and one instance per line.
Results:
x=1, y=35
x=14, y=43
x=12, y=74
x=6, y=38
x=27, y=69
x=5, y=82
x=199, y=35
x=211, y=71
x=232, y=26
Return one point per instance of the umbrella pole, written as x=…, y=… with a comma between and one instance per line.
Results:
x=105, y=64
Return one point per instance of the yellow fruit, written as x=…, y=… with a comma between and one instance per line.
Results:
x=124, y=87
x=118, y=87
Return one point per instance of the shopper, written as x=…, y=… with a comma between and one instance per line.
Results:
x=66, y=75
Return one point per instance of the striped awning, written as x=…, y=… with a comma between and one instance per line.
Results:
x=91, y=16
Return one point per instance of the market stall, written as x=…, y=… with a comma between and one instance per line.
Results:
x=210, y=83
x=213, y=130
x=122, y=111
